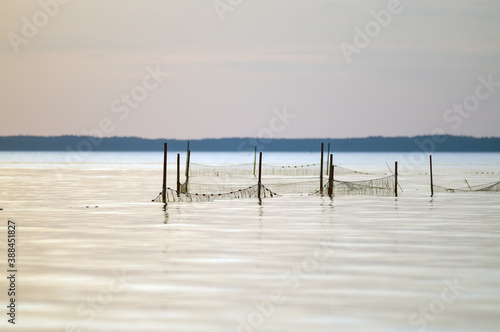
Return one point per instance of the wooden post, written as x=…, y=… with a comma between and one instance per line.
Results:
x=260, y=174
x=254, y=160
x=164, y=185
x=178, y=174
x=432, y=180
x=332, y=167
x=330, y=178
x=188, y=162
x=327, y=165
x=396, y=179
x=321, y=170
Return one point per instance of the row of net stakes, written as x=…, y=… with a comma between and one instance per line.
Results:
x=330, y=171
x=178, y=183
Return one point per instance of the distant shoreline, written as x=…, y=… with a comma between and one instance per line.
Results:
x=445, y=143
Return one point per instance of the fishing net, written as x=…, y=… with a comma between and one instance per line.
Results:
x=491, y=187
x=305, y=170
x=377, y=187
x=209, y=182
x=224, y=171
x=384, y=186
x=200, y=170
x=250, y=192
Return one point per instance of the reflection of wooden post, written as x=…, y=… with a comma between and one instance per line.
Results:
x=396, y=179
x=178, y=174
x=260, y=174
x=321, y=169
x=432, y=180
x=164, y=185
x=330, y=178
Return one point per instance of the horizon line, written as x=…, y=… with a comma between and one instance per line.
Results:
x=250, y=137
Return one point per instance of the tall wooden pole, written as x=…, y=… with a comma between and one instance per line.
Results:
x=164, y=185
x=321, y=169
x=396, y=179
x=332, y=167
x=254, y=160
x=178, y=174
x=188, y=162
x=260, y=174
x=327, y=165
x=432, y=180
x=330, y=178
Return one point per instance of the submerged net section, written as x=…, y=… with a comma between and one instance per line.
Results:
x=250, y=192
x=490, y=187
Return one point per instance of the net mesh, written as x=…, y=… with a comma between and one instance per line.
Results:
x=313, y=169
x=172, y=195
x=490, y=187
x=378, y=187
x=209, y=182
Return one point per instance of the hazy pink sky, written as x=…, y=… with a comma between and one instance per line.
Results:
x=74, y=67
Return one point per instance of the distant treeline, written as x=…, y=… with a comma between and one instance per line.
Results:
x=369, y=144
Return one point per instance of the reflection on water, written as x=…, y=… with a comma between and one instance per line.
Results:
x=286, y=264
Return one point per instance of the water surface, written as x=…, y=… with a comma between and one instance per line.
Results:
x=96, y=255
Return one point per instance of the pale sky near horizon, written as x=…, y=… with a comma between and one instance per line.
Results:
x=67, y=70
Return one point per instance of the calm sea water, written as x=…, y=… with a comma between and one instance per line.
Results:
x=95, y=254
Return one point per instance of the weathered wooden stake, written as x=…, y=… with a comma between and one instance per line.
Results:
x=164, y=185
x=432, y=180
x=330, y=177
x=321, y=169
x=327, y=165
x=178, y=174
x=333, y=167
x=260, y=174
x=396, y=179
x=188, y=162
x=254, y=160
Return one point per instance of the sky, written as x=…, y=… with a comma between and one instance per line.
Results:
x=190, y=69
